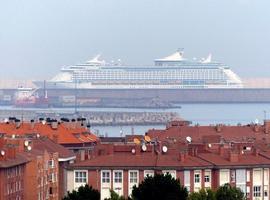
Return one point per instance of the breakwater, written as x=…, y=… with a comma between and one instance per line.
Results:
x=105, y=118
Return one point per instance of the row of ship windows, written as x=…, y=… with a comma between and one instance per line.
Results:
x=150, y=77
x=153, y=72
x=150, y=74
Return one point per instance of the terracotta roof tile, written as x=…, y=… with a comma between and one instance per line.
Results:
x=64, y=133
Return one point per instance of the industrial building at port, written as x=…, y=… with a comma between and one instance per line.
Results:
x=44, y=159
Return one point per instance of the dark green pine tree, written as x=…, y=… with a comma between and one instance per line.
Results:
x=84, y=193
x=160, y=187
x=227, y=192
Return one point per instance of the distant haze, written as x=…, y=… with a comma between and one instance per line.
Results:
x=38, y=37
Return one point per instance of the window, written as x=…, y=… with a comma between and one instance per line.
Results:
x=197, y=178
x=50, y=191
x=51, y=177
x=171, y=172
x=106, y=177
x=224, y=176
x=257, y=191
x=149, y=173
x=80, y=177
x=207, y=176
x=51, y=163
x=265, y=192
x=133, y=176
x=118, y=177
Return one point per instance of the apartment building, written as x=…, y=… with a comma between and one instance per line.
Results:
x=32, y=168
x=199, y=156
x=12, y=172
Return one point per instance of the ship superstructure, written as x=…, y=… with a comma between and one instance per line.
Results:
x=171, y=72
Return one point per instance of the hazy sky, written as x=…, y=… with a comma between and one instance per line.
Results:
x=37, y=37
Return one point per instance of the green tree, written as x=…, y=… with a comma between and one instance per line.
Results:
x=115, y=196
x=160, y=187
x=202, y=195
x=84, y=193
x=227, y=192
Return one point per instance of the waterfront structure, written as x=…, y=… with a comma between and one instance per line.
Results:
x=171, y=72
x=200, y=156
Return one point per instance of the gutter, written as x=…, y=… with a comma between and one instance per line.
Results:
x=66, y=159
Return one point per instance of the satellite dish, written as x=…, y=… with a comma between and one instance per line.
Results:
x=209, y=145
x=43, y=122
x=133, y=151
x=38, y=135
x=13, y=136
x=147, y=138
x=3, y=153
x=136, y=141
x=256, y=121
x=6, y=120
x=29, y=148
x=26, y=143
x=164, y=149
x=188, y=139
x=144, y=148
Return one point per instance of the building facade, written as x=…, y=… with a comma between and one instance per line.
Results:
x=199, y=156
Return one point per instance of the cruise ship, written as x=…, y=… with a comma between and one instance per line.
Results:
x=171, y=72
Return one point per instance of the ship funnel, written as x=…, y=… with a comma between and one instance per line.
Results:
x=96, y=60
x=208, y=59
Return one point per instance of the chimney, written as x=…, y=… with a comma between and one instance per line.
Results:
x=2, y=142
x=17, y=123
x=221, y=150
x=11, y=152
x=182, y=156
x=2, y=154
x=32, y=124
x=82, y=153
x=193, y=151
x=84, y=123
x=234, y=156
x=255, y=151
x=218, y=128
x=256, y=128
x=73, y=123
x=54, y=124
x=20, y=145
x=55, y=138
x=110, y=149
x=266, y=126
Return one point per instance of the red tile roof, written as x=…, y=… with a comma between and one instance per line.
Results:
x=244, y=160
x=208, y=133
x=65, y=133
x=10, y=162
